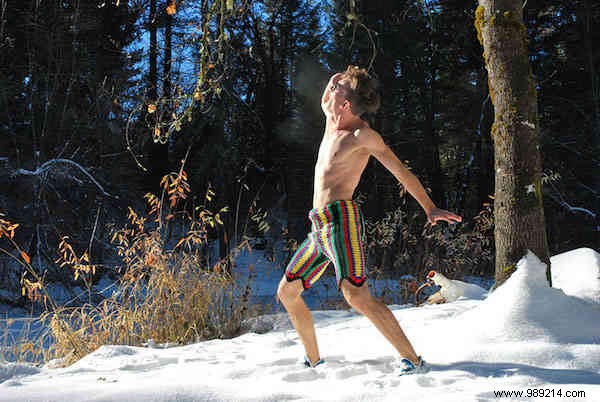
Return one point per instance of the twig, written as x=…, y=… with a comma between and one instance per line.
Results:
x=373, y=45
x=374, y=54
x=47, y=165
x=162, y=196
x=137, y=162
x=93, y=234
x=565, y=204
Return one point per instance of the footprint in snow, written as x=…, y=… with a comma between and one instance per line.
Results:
x=383, y=383
x=350, y=372
x=281, y=362
x=287, y=342
x=383, y=365
x=305, y=375
x=427, y=382
x=240, y=374
x=150, y=364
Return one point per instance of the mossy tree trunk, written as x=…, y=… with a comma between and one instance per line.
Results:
x=518, y=208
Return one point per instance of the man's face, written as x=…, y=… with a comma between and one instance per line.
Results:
x=340, y=90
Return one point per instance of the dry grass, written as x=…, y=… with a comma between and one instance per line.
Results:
x=21, y=339
x=166, y=293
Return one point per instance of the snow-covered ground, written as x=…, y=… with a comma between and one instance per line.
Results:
x=524, y=336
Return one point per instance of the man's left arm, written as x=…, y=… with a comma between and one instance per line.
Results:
x=372, y=141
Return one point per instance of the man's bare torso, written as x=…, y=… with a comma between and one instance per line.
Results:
x=339, y=167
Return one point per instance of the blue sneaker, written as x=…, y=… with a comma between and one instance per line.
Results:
x=308, y=364
x=410, y=368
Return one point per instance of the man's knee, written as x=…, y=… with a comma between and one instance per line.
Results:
x=358, y=297
x=289, y=291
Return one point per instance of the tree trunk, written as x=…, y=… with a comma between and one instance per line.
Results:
x=168, y=56
x=485, y=158
x=432, y=138
x=158, y=150
x=518, y=208
x=586, y=21
x=153, y=75
x=585, y=18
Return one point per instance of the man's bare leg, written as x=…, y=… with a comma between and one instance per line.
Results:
x=290, y=295
x=380, y=315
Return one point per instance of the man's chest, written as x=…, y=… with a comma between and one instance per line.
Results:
x=337, y=148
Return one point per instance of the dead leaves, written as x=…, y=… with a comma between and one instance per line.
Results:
x=7, y=229
x=172, y=7
x=26, y=257
x=31, y=289
x=79, y=265
x=176, y=187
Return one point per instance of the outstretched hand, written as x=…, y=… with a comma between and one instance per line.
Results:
x=438, y=214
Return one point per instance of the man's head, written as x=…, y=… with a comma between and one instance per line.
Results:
x=360, y=89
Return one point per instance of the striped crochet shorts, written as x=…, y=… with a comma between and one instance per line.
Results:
x=337, y=236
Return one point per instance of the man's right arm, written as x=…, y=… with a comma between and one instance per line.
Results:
x=373, y=142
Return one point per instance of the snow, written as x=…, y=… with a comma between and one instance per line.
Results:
x=524, y=335
x=11, y=370
x=582, y=277
x=452, y=289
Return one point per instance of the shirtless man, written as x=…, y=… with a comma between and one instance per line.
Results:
x=337, y=226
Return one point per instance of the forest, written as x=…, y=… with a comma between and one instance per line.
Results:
x=160, y=113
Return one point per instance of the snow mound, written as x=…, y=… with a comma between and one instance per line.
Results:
x=110, y=357
x=526, y=308
x=12, y=371
x=577, y=273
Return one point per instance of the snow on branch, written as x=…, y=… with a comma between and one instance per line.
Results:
x=571, y=208
x=577, y=209
x=49, y=164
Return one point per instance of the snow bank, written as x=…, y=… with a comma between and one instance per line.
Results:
x=13, y=371
x=523, y=321
x=525, y=307
x=577, y=273
x=524, y=335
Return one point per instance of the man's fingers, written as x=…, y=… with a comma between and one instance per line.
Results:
x=452, y=217
x=448, y=218
x=442, y=215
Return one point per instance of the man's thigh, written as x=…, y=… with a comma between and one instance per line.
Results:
x=307, y=264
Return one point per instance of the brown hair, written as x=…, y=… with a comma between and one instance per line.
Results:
x=363, y=97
